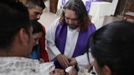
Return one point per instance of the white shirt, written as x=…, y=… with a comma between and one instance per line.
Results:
x=72, y=35
x=23, y=66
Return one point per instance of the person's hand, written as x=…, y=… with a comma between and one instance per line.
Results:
x=63, y=60
x=73, y=61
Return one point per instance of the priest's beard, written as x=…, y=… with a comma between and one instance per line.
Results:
x=73, y=26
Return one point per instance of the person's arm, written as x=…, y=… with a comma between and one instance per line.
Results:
x=53, y=51
x=82, y=60
x=50, y=39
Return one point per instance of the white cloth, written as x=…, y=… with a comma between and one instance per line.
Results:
x=98, y=11
x=23, y=66
x=71, y=40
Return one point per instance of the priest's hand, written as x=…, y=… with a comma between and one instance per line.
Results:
x=63, y=60
x=73, y=62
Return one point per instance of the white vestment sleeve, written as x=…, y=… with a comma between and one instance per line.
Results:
x=83, y=60
x=50, y=38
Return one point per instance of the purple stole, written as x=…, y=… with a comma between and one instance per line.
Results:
x=82, y=42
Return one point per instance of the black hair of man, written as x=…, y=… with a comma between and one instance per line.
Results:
x=33, y=3
x=13, y=17
x=113, y=46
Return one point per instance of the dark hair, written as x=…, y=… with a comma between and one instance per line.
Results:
x=113, y=45
x=13, y=17
x=33, y=3
x=80, y=10
x=7, y=1
x=36, y=26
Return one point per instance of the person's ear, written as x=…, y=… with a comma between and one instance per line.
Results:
x=23, y=36
x=106, y=70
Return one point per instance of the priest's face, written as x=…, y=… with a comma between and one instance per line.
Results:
x=71, y=19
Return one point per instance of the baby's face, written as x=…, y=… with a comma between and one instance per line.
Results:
x=36, y=37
